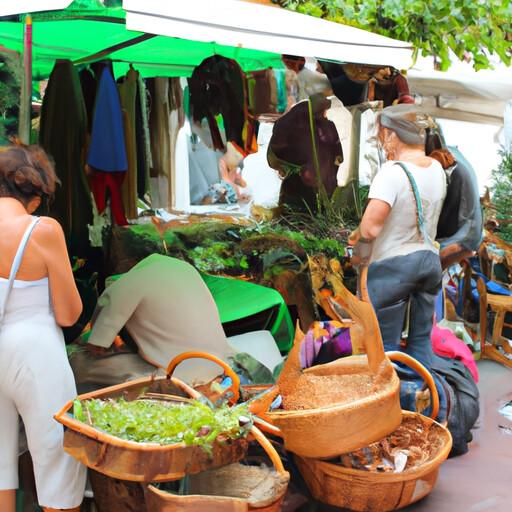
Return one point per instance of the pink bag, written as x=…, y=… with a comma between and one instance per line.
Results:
x=446, y=344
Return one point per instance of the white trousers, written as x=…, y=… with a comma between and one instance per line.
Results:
x=35, y=382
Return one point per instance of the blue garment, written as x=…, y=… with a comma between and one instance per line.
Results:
x=282, y=100
x=107, y=151
x=491, y=286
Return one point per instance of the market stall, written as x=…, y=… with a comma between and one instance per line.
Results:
x=141, y=108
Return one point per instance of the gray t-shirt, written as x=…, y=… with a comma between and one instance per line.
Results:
x=167, y=309
x=400, y=235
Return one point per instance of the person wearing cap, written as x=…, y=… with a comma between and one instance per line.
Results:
x=395, y=237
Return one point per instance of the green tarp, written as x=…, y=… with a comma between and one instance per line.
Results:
x=87, y=28
x=237, y=300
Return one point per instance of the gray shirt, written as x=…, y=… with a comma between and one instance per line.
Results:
x=167, y=309
x=399, y=235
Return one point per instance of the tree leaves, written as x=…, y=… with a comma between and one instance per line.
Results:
x=477, y=29
x=502, y=194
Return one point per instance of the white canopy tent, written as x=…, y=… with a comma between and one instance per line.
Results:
x=464, y=96
x=260, y=27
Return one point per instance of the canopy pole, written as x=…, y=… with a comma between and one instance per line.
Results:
x=26, y=84
x=119, y=46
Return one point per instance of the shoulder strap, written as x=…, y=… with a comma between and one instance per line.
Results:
x=420, y=219
x=17, y=262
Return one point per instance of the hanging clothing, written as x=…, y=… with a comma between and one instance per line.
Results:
x=280, y=78
x=176, y=121
x=262, y=92
x=312, y=82
x=107, y=150
x=160, y=139
x=391, y=89
x=35, y=382
x=103, y=182
x=291, y=153
x=89, y=85
x=144, y=158
x=218, y=86
x=128, y=95
x=62, y=135
x=292, y=88
x=349, y=91
x=342, y=119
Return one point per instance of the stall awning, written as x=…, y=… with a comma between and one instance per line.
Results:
x=465, y=96
x=10, y=7
x=88, y=31
x=260, y=27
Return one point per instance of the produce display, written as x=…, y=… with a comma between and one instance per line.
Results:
x=147, y=420
x=413, y=444
x=313, y=391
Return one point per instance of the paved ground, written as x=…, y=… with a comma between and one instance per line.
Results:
x=481, y=480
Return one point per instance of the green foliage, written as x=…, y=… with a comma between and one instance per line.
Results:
x=501, y=191
x=478, y=28
x=260, y=249
x=152, y=421
x=217, y=256
x=10, y=79
x=301, y=230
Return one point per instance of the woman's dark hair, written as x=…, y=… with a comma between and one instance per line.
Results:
x=26, y=172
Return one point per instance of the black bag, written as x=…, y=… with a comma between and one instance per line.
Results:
x=463, y=395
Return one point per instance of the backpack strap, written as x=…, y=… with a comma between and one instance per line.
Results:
x=420, y=218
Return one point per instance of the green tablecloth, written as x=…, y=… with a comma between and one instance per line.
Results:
x=236, y=300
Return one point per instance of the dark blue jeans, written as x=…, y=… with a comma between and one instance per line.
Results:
x=392, y=283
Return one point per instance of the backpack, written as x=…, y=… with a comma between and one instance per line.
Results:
x=463, y=397
x=458, y=398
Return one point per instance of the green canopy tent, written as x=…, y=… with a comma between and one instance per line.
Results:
x=87, y=31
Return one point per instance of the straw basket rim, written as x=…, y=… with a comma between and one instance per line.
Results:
x=409, y=474
x=67, y=420
x=383, y=391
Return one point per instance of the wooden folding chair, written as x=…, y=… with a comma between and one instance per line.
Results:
x=500, y=305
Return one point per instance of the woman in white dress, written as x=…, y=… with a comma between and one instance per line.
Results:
x=37, y=297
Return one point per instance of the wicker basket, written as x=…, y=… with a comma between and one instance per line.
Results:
x=147, y=462
x=275, y=484
x=371, y=491
x=344, y=426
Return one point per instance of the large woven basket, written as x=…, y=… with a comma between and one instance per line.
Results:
x=366, y=491
x=147, y=462
x=343, y=426
x=222, y=481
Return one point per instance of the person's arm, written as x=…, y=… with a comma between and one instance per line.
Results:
x=383, y=192
x=374, y=218
x=115, y=306
x=66, y=301
x=373, y=221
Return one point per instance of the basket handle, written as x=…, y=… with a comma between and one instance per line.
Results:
x=415, y=365
x=235, y=387
x=264, y=424
x=269, y=450
x=365, y=332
